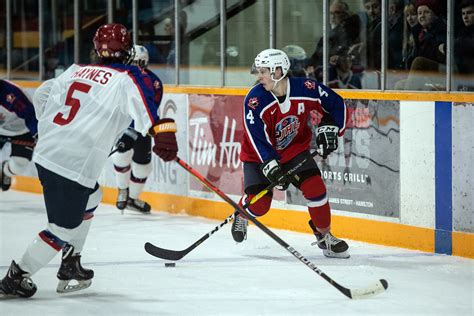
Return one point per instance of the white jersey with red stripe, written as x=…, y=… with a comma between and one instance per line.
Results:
x=281, y=131
x=83, y=112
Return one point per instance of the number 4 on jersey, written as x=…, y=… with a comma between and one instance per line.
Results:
x=250, y=117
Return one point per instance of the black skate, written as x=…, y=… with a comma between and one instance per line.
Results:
x=239, y=228
x=122, y=199
x=5, y=181
x=332, y=247
x=17, y=283
x=71, y=269
x=138, y=205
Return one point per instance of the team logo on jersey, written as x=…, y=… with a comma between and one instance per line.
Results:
x=311, y=85
x=10, y=98
x=156, y=84
x=253, y=103
x=285, y=131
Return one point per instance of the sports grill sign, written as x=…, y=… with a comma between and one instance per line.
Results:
x=363, y=174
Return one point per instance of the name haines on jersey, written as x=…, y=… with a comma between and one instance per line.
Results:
x=281, y=131
x=83, y=111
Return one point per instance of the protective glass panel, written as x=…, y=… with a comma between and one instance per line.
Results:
x=156, y=32
x=3, y=39
x=247, y=34
x=59, y=37
x=25, y=38
x=463, y=68
x=92, y=13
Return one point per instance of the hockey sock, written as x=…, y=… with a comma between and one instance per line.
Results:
x=260, y=207
x=15, y=165
x=140, y=173
x=40, y=251
x=314, y=191
x=122, y=168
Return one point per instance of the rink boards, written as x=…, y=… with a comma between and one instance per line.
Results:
x=402, y=175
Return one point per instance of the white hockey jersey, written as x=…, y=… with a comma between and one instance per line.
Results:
x=83, y=112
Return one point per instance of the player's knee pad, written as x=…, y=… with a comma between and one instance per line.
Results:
x=140, y=171
x=17, y=164
x=261, y=206
x=93, y=202
x=122, y=160
x=314, y=190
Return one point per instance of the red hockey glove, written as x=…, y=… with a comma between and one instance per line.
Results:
x=164, y=133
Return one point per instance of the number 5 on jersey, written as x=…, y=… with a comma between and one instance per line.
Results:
x=74, y=103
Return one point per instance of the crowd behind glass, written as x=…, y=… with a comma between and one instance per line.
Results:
x=371, y=44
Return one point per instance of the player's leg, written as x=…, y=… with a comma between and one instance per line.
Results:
x=63, y=225
x=71, y=268
x=254, y=182
x=19, y=159
x=122, y=168
x=309, y=181
x=141, y=169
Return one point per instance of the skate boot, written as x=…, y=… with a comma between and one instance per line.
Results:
x=122, y=199
x=138, y=205
x=71, y=269
x=239, y=228
x=332, y=247
x=17, y=283
x=5, y=180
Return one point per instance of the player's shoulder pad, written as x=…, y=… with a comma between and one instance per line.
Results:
x=258, y=98
x=303, y=86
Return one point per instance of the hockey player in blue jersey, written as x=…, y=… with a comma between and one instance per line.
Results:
x=18, y=125
x=132, y=162
x=277, y=137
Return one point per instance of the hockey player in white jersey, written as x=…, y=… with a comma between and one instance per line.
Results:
x=132, y=162
x=80, y=115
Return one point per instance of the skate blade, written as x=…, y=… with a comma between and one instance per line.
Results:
x=339, y=255
x=65, y=287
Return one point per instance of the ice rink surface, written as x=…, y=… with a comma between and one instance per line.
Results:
x=220, y=277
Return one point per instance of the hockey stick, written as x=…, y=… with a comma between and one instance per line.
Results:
x=374, y=289
x=169, y=254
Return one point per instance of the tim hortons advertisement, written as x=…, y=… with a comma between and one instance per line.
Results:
x=363, y=174
x=215, y=131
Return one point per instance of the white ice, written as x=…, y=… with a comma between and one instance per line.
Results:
x=221, y=277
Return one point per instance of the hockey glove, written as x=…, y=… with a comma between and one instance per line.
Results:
x=127, y=140
x=273, y=171
x=164, y=133
x=326, y=139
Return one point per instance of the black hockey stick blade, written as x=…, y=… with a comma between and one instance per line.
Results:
x=169, y=254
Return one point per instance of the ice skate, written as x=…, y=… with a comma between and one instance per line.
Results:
x=122, y=199
x=239, y=228
x=138, y=205
x=72, y=271
x=17, y=283
x=5, y=180
x=332, y=247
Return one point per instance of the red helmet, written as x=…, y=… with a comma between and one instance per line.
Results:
x=113, y=41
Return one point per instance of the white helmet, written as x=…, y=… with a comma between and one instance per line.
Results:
x=273, y=58
x=141, y=56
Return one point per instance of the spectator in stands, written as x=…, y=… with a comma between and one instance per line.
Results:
x=429, y=61
x=464, y=45
x=340, y=75
x=345, y=29
x=409, y=26
x=298, y=60
x=395, y=34
x=368, y=50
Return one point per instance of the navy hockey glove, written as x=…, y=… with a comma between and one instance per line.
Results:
x=326, y=139
x=127, y=140
x=273, y=171
x=164, y=133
